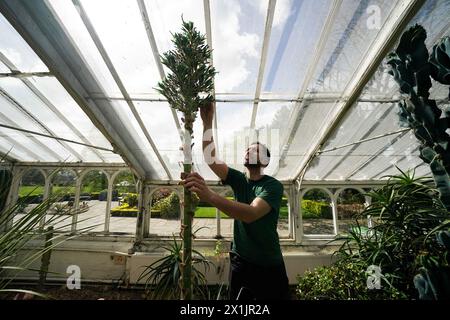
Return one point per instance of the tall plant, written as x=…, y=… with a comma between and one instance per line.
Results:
x=187, y=88
x=405, y=211
x=412, y=68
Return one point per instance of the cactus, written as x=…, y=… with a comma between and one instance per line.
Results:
x=412, y=68
x=440, y=62
x=433, y=281
x=187, y=88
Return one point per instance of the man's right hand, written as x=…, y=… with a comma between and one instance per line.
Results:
x=207, y=113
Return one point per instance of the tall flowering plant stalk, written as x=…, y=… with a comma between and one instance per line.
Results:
x=188, y=87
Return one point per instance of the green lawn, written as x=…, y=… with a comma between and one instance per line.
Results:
x=37, y=190
x=210, y=212
x=30, y=190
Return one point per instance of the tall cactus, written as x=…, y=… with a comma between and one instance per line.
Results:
x=412, y=68
x=188, y=87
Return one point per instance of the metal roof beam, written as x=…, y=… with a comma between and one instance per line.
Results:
x=262, y=62
x=207, y=13
x=21, y=75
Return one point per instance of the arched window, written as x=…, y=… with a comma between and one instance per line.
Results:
x=350, y=202
x=317, y=212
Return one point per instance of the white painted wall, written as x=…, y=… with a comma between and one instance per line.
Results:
x=109, y=261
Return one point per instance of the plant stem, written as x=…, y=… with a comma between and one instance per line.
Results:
x=188, y=214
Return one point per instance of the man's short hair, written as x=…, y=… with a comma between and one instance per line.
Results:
x=261, y=145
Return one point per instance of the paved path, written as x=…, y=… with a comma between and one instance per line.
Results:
x=95, y=217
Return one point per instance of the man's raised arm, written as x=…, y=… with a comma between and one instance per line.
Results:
x=209, y=148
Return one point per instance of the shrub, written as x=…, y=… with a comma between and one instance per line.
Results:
x=124, y=211
x=341, y=281
x=405, y=210
x=131, y=199
x=94, y=195
x=169, y=206
x=28, y=199
x=160, y=194
x=316, y=210
x=103, y=195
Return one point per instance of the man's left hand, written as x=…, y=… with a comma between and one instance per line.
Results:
x=195, y=183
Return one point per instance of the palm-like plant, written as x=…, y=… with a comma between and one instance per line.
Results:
x=162, y=277
x=187, y=88
x=18, y=231
x=405, y=211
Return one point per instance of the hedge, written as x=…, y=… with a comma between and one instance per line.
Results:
x=316, y=210
x=124, y=211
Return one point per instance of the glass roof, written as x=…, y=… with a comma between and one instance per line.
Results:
x=78, y=84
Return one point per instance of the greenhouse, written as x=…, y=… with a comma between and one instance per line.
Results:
x=350, y=97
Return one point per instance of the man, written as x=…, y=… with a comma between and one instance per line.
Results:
x=257, y=268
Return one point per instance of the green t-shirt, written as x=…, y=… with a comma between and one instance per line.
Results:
x=258, y=241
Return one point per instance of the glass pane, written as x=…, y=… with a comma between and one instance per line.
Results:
x=317, y=213
x=63, y=189
x=123, y=112
x=70, y=17
x=271, y=122
x=404, y=147
x=165, y=18
x=124, y=204
x=36, y=149
x=233, y=123
x=165, y=209
x=31, y=192
x=364, y=121
x=159, y=121
x=3, y=68
x=350, y=203
x=405, y=163
x=17, y=50
x=433, y=16
x=14, y=150
x=32, y=187
x=58, y=96
x=122, y=32
x=312, y=118
x=295, y=32
x=356, y=27
x=237, y=36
